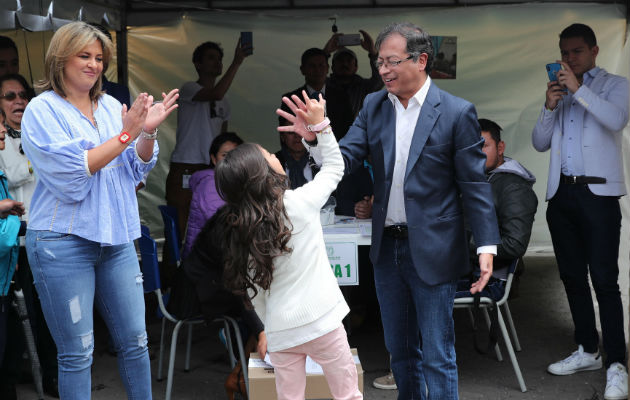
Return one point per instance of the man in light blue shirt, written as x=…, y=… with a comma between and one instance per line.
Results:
x=585, y=110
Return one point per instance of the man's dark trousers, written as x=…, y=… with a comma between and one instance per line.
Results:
x=585, y=231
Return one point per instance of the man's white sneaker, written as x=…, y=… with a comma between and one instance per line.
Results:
x=616, y=382
x=578, y=361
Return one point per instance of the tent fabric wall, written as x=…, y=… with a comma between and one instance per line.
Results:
x=502, y=51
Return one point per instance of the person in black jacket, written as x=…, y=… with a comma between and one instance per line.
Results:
x=515, y=204
x=204, y=269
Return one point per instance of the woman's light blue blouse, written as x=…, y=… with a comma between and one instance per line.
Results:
x=68, y=199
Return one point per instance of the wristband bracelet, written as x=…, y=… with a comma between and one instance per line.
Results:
x=124, y=137
x=149, y=136
x=319, y=127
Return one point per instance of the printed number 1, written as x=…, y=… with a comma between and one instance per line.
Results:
x=338, y=271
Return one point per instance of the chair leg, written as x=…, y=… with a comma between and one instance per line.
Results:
x=171, y=360
x=241, y=352
x=508, y=316
x=161, y=357
x=188, y=346
x=489, y=323
x=228, y=342
x=472, y=317
x=508, y=344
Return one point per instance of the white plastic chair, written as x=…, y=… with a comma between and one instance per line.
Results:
x=485, y=303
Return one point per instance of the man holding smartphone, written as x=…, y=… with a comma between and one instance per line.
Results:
x=582, y=127
x=203, y=113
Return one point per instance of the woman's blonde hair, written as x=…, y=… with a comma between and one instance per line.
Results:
x=69, y=40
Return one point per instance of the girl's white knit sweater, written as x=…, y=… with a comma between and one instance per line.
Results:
x=303, y=288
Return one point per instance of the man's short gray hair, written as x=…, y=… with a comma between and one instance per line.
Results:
x=418, y=40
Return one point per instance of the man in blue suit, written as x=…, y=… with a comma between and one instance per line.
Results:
x=428, y=170
x=585, y=111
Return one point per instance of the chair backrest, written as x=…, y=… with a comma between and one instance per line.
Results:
x=149, y=263
x=467, y=300
x=508, y=283
x=145, y=229
x=171, y=231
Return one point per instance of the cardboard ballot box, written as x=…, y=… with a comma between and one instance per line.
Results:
x=262, y=381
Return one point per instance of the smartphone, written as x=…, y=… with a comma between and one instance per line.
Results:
x=247, y=42
x=552, y=70
x=353, y=39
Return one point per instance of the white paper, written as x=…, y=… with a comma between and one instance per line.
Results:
x=311, y=366
x=257, y=363
x=365, y=229
x=268, y=360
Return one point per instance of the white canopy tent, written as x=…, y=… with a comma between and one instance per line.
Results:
x=502, y=51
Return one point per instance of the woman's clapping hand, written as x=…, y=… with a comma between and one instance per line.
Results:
x=160, y=110
x=147, y=115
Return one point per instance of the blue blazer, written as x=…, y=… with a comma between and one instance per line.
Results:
x=445, y=178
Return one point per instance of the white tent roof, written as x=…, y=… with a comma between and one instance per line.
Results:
x=38, y=15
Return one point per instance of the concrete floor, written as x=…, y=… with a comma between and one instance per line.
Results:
x=541, y=317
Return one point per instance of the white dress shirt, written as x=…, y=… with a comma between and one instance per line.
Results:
x=406, y=120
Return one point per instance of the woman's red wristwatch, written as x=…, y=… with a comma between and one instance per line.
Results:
x=124, y=137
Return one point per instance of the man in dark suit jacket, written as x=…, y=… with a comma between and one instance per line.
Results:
x=428, y=170
x=314, y=67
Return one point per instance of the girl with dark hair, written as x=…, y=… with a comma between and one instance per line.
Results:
x=273, y=249
x=205, y=199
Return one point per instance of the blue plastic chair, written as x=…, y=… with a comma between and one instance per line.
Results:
x=171, y=232
x=152, y=283
x=485, y=303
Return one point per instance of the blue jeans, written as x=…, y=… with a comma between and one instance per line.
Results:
x=418, y=325
x=71, y=274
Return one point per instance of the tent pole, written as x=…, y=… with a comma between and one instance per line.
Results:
x=121, y=50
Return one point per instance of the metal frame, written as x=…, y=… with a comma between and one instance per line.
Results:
x=485, y=304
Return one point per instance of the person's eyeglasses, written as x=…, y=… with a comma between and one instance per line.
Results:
x=10, y=96
x=390, y=63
